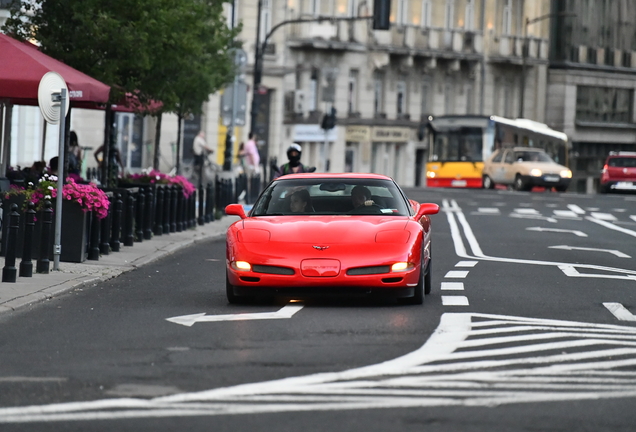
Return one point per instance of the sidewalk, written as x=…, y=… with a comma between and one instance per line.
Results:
x=40, y=287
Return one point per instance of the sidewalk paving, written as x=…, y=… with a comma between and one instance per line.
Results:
x=26, y=291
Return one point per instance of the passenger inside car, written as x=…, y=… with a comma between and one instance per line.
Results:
x=300, y=202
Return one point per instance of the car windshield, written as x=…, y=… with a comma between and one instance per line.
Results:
x=622, y=162
x=532, y=156
x=344, y=196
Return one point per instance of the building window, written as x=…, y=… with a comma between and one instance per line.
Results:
x=506, y=22
x=604, y=105
x=378, y=92
x=400, y=90
x=426, y=97
x=449, y=98
x=470, y=99
x=426, y=13
x=470, y=15
x=314, y=7
x=402, y=12
x=227, y=8
x=312, y=100
x=449, y=14
x=352, y=96
x=266, y=19
x=353, y=8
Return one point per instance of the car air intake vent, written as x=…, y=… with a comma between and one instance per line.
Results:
x=272, y=270
x=368, y=270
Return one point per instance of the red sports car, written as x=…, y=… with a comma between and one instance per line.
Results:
x=330, y=234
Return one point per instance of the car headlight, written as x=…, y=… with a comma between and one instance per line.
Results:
x=430, y=174
x=566, y=173
x=401, y=267
x=241, y=265
x=535, y=172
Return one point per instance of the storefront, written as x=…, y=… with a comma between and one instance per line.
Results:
x=390, y=149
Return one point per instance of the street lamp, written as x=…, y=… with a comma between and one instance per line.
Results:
x=524, y=52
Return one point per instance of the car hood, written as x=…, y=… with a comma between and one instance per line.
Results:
x=545, y=167
x=319, y=229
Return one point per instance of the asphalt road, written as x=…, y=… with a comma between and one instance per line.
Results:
x=528, y=328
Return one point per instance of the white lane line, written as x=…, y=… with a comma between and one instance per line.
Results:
x=488, y=210
x=526, y=211
x=612, y=251
x=633, y=217
x=617, y=210
x=541, y=229
x=466, y=264
x=611, y=226
x=456, y=274
x=454, y=300
x=591, y=209
x=570, y=271
x=603, y=216
x=576, y=209
x=452, y=286
x=533, y=216
x=620, y=312
x=566, y=214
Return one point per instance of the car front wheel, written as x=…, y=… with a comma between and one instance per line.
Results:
x=487, y=182
x=520, y=184
x=229, y=292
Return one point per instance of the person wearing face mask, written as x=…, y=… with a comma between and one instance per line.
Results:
x=294, y=165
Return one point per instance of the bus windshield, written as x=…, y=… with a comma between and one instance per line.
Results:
x=457, y=145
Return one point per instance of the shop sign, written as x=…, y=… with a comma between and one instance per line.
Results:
x=313, y=133
x=358, y=133
x=390, y=134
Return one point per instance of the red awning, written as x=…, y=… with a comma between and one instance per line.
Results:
x=22, y=66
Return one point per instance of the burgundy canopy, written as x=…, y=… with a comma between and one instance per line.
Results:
x=22, y=66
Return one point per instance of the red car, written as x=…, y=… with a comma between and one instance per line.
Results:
x=619, y=172
x=330, y=234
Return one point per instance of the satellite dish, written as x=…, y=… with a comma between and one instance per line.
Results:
x=51, y=83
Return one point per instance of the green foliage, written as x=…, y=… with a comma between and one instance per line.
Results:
x=175, y=51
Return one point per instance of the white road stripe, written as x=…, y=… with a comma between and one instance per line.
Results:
x=620, y=312
x=633, y=217
x=576, y=209
x=466, y=264
x=612, y=226
x=457, y=274
x=454, y=300
x=526, y=211
x=488, y=210
x=603, y=216
x=452, y=286
x=565, y=213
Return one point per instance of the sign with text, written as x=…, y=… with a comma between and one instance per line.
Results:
x=313, y=133
x=390, y=134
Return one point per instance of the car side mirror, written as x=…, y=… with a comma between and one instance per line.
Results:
x=235, y=210
x=426, y=209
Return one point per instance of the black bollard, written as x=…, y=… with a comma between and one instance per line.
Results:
x=174, y=201
x=43, y=265
x=209, y=206
x=93, y=245
x=116, y=229
x=202, y=202
x=159, y=211
x=167, y=206
x=104, y=242
x=139, y=217
x=26, y=265
x=9, y=272
x=179, y=210
x=148, y=214
x=193, y=210
x=129, y=223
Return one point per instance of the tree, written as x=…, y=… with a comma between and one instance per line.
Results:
x=173, y=51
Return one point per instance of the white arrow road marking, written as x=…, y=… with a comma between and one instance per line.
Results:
x=612, y=251
x=540, y=229
x=571, y=271
x=188, y=320
x=533, y=216
x=470, y=360
x=620, y=312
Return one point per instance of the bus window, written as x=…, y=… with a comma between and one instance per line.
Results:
x=465, y=144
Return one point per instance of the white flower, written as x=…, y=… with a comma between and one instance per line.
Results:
x=53, y=178
x=47, y=197
x=51, y=188
x=30, y=183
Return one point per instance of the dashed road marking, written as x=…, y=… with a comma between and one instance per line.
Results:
x=576, y=209
x=488, y=210
x=526, y=211
x=466, y=264
x=603, y=216
x=566, y=214
x=452, y=286
x=454, y=300
x=457, y=274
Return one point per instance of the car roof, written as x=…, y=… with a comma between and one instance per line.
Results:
x=336, y=176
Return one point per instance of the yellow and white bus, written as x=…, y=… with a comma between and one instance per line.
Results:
x=459, y=144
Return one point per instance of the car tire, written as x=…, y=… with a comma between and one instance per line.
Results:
x=418, y=293
x=487, y=183
x=427, y=278
x=520, y=184
x=229, y=292
x=604, y=189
